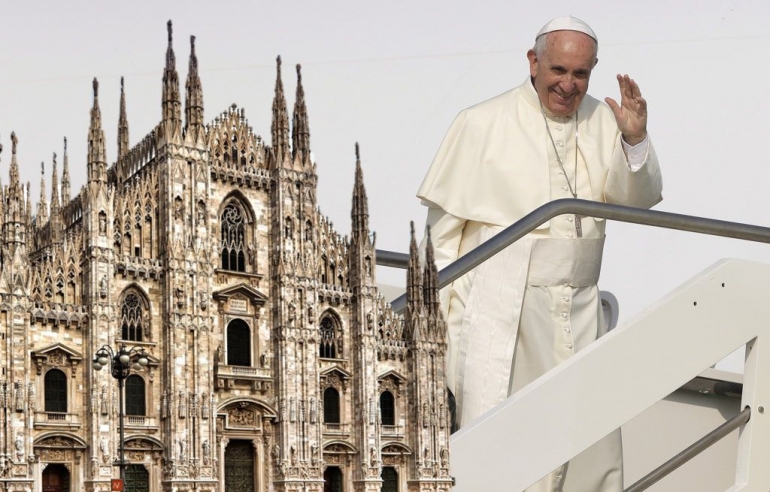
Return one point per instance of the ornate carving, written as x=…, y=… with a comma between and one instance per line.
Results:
x=57, y=442
x=241, y=417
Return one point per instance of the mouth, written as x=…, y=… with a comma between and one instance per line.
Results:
x=564, y=97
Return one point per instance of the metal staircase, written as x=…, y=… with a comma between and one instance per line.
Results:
x=609, y=383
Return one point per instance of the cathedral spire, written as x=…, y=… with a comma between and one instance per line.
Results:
x=280, y=126
x=194, y=93
x=42, y=205
x=97, y=160
x=414, y=287
x=430, y=280
x=360, y=211
x=55, y=203
x=301, y=129
x=65, y=177
x=14, y=171
x=171, y=101
x=122, y=123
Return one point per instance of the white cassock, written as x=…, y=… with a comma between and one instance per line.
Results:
x=536, y=303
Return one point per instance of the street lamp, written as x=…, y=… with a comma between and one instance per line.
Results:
x=121, y=363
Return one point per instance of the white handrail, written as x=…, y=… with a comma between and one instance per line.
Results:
x=624, y=373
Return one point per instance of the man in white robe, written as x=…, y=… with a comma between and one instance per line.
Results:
x=536, y=303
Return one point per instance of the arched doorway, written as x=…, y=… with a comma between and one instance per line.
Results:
x=333, y=479
x=137, y=479
x=56, y=478
x=239, y=466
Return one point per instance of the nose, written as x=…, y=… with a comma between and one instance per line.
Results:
x=567, y=83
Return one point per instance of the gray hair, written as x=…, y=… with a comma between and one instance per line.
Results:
x=542, y=41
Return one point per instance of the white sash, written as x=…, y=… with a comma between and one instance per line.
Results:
x=491, y=317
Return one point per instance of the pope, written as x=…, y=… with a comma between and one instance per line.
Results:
x=536, y=303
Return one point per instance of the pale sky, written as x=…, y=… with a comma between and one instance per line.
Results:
x=392, y=76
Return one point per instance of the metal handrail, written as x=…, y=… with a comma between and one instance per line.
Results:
x=540, y=215
x=620, y=213
x=691, y=452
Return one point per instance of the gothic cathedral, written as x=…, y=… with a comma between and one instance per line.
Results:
x=271, y=362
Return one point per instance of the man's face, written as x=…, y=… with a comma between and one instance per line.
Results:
x=562, y=71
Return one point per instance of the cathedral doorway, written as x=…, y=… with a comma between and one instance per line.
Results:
x=137, y=478
x=389, y=479
x=56, y=478
x=239, y=466
x=333, y=479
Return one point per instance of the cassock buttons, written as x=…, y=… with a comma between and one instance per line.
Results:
x=560, y=144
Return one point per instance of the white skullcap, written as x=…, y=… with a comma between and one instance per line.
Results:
x=567, y=23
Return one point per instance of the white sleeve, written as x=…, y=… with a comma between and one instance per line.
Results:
x=636, y=154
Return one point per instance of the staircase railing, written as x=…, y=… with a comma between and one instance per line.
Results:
x=692, y=328
x=541, y=215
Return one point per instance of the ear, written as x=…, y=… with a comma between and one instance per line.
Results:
x=596, y=62
x=533, y=63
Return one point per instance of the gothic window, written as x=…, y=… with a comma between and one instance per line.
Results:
x=135, y=396
x=331, y=406
x=389, y=479
x=387, y=408
x=55, y=391
x=333, y=479
x=139, y=238
x=116, y=236
x=233, y=242
x=238, y=343
x=331, y=338
x=132, y=318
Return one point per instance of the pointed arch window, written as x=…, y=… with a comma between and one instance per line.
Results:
x=233, y=239
x=55, y=391
x=331, y=338
x=133, y=321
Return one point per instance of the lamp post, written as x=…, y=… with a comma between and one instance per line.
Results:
x=120, y=363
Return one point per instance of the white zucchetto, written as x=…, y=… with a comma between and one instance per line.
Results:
x=567, y=23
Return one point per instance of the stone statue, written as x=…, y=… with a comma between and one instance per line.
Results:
x=104, y=447
x=206, y=451
x=19, y=445
x=103, y=287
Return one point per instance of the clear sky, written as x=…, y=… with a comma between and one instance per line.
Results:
x=392, y=76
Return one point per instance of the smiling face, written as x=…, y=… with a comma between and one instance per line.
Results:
x=562, y=70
